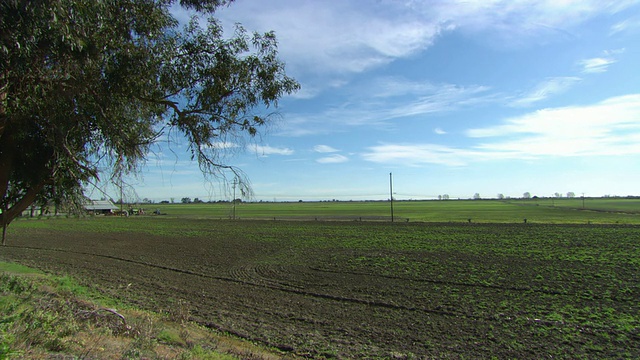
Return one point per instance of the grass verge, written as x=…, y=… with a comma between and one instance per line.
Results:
x=44, y=316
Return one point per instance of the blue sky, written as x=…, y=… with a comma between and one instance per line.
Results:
x=452, y=97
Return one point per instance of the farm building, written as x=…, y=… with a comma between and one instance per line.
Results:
x=100, y=207
x=33, y=211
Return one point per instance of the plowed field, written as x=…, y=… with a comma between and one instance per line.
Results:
x=363, y=290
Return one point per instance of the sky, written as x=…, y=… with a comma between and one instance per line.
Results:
x=450, y=97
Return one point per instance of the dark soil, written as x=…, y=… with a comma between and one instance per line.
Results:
x=357, y=303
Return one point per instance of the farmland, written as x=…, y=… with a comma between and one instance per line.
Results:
x=546, y=210
x=565, y=287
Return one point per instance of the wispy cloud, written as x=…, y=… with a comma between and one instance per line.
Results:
x=265, y=150
x=347, y=38
x=446, y=97
x=632, y=24
x=596, y=65
x=546, y=89
x=607, y=128
x=424, y=97
x=519, y=20
x=600, y=64
x=377, y=106
x=341, y=38
x=439, y=131
x=394, y=86
x=418, y=154
x=324, y=149
x=333, y=159
x=330, y=159
x=224, y=145
x=610, y=114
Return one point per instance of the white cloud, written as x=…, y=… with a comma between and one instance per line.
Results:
x=324, y=149
x=609, y=114
x=628, y=25
x=322, y=43
x=347, y=37
x=334, y=37
x=374, y=105
x=333, y=159
x=220, y=145
x=545, y=89
x=391, y=100
x=445, y=97
x=596, y=65
x=439, y=131
x=614, y=52
x=418, y=154
x=393, y=86
x=297, y=125
x=265, y=150
x=517, y=22
x=607, y=128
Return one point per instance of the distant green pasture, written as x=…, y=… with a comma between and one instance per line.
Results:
x=599, y=210
x=593, y=204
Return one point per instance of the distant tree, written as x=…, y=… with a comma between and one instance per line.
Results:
x=445, y=197
x=500, y=196
x=571, y=194
x=164, y=202
x=87, y=87
x=186, y=200
x=558, y=195
x=197, y=201
x=439, y=197
x=526, y=195
x=476, y=196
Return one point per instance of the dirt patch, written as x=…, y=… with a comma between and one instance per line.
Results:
x=356, y=301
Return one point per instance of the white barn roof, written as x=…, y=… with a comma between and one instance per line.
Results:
x=98, y=205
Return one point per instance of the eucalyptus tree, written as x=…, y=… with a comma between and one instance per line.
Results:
x=86, y=87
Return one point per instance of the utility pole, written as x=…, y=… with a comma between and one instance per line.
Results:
x=391, y=193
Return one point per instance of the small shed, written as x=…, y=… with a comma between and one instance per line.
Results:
x=100, y=207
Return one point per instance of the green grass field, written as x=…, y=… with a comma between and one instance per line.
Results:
x=553, y=211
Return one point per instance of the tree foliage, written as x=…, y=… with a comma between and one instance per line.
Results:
x=86, y=87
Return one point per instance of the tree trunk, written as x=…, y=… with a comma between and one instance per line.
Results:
x=4, y=225
x=10, y=213
x=5, y=169
x=4, y=234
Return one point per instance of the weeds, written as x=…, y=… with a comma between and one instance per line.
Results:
x=41, y=316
